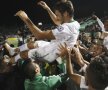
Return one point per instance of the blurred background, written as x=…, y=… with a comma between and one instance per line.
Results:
x=83, y=8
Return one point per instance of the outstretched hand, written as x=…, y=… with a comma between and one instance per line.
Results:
x=64, y=50
x=43, y=4
x=22, y=15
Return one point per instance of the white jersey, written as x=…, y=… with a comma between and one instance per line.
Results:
x=67, y=32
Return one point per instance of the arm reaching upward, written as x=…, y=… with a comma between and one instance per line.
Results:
x=75, y=77
x=104, y=32
x=50, y=12
x=38, y=33
x=99, y=22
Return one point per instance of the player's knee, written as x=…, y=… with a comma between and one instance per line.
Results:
x=32, y=45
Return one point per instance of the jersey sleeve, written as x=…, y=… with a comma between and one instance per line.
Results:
x=56, y=80
x=60, y=30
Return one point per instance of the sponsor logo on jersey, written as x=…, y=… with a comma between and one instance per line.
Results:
x=60, y=28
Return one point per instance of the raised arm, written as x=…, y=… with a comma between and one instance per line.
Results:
x=75, y=77
x=38, y=33
x=104, y=32
x=50, y=12
x=99, y=22
x=67, y=52
x=80, y=58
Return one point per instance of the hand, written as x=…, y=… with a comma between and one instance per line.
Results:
x=63, y=50
x=21, y=14
x=43, y=4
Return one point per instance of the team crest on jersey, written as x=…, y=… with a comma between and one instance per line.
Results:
x=60, y=28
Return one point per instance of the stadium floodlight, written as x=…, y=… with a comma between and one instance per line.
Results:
x=40, y=23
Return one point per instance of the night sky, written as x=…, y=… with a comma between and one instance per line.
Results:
x=37, y=14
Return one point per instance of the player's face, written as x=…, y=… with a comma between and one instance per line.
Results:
x=59, y=16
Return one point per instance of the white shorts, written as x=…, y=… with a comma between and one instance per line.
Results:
x=42, y=43
x=46, y=51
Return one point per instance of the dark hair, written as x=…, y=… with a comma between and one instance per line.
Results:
x=65, y=6
x=29, y=70
x=97, y=73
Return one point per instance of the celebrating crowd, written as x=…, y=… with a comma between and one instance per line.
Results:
x=64, y=58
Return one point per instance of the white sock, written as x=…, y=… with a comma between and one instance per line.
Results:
x=10, y=49
x=23, y=47
x=17, y=57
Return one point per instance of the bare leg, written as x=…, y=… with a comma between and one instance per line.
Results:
x=24, y=47
x=45, y=53
x=11, y=50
